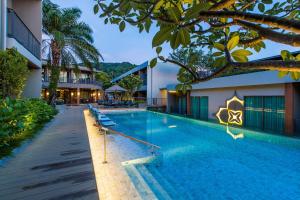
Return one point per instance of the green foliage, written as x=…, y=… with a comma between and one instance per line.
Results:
x=13, y=73
x=239, y=27
x=131, y=83
x=196, y=60
x=70, y=42
x=115, y=69
x=287, y=56
x=19, y=120
x=104, y=78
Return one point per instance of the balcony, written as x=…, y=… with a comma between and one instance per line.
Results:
x=75, y=83
x=21, y=33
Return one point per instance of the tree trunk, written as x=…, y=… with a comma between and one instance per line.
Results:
x=55, y=71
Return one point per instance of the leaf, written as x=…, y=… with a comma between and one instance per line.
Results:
x=298, y=57
x=161, y=36
x=184, y=37
x=267, y=1
x=158, y=50
x=282, y=74
x=219, y=46
x=233, y=42
x=220, y=62
x=175, y=40
x=241, y=52
x=174, y=14
x=122, y=26
x=218, y=53
x=286, y=55
x=261, y=7
x=240, y=58
x=193, y=11
x=153, y=62
x=96, y=9
x=295, y=75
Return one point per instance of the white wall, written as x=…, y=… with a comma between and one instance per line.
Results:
x=159, y=77
x=33, y=85
x=217, y=97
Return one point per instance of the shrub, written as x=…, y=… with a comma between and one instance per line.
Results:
x=13, y=73
x=21, y=119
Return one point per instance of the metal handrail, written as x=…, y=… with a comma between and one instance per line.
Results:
x=135, y=139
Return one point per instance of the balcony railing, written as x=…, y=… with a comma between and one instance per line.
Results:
x=19, y=31
x=76, y=81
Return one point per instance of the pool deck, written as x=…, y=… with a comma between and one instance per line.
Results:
x=57, y=164
x=112, y=178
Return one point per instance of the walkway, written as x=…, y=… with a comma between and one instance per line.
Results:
x=56, y=165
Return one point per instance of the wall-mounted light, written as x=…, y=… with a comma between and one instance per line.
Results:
x=172, y=91
x=233, y=113
x=72, y=94
x=47, y=93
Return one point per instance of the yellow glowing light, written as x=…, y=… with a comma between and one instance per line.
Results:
x=234, y=136
x=219, y=117
x=234, y=116
x=72, y=94
x=78, y=93
x=172, y=91
x=234, y=99
x=47, y=93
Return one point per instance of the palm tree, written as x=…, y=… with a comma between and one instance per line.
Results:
x=68, y=42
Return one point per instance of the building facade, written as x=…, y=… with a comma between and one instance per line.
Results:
x=21, y=28
x=271, y=103
x=155, y=81
x=75, y=85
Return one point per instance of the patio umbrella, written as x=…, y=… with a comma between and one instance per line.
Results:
x=115, y=89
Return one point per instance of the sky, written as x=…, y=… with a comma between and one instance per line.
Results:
x=132, y=46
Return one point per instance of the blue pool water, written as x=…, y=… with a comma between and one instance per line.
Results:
x=202, y=161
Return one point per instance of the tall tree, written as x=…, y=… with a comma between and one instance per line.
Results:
x=195, y=62
x=69, y=42
x=131, y=84
x=104, y=78
x=233, y=29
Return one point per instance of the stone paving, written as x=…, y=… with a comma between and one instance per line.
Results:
x=57, y=164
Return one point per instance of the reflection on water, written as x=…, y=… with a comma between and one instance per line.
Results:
x=234, y=136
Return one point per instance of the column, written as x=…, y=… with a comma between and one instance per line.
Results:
x=188, y=103
x=3, y=22
x=289, y=109
x=78, y=96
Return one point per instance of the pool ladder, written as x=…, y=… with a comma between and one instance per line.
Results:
x=154, y=150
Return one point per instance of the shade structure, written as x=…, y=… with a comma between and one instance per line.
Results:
x=115, y=88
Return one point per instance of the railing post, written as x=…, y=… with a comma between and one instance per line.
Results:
x=104, y=144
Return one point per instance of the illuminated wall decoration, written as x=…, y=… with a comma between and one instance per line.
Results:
x=233, y=113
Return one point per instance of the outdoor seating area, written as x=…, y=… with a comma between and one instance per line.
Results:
x=101, y=119
x=117, y=103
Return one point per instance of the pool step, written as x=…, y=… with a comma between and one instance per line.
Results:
x=173, y=192
x=153, y=183
x=139, y=182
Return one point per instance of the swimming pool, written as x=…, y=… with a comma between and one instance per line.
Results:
x=206, y=161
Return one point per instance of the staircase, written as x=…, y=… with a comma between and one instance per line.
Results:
x=152, y=185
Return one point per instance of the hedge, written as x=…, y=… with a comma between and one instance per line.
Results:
x=21, y=120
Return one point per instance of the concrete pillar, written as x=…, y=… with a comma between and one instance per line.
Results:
x=188, y=103
x=78, y=96
x=3, y=24
x=33, y=85
x=289, y=109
